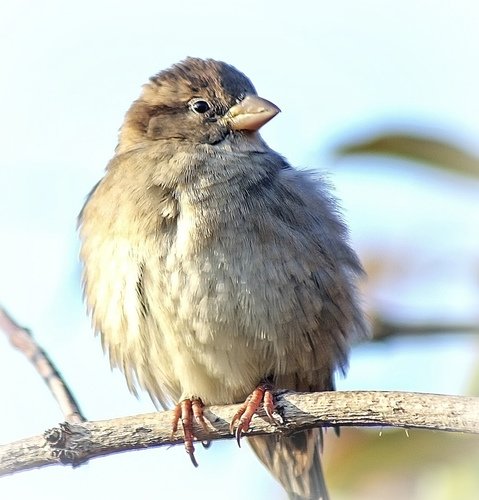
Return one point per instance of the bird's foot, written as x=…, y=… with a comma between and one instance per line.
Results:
x=187, y=411
x=262, y=394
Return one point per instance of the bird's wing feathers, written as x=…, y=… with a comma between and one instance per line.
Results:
x=295, y=460
x=115, y=253
x=302, y=219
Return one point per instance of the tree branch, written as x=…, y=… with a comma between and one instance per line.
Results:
x=22, y=339
x=384, y=328
x=75, y=444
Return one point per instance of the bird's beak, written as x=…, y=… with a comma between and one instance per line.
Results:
x=251, y=113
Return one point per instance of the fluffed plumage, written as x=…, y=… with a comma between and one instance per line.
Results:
x=211, y=265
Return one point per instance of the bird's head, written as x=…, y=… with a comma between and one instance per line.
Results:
x=197, y=101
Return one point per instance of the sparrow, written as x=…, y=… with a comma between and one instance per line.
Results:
x=213, y=270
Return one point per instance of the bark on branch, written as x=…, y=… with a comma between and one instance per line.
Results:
x=76, y=443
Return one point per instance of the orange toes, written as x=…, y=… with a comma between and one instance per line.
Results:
x=262, y=394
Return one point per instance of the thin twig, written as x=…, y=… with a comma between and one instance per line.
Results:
x=384, y=328
x=75, y=444
x=22, y=339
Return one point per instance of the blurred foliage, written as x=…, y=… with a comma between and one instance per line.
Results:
x=367, y=464
x=426, y=150
x=393, y=464
x=420, y=148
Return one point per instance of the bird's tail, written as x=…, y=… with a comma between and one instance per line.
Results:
x=295, y=461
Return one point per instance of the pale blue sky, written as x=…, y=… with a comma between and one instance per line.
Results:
x=69, y=72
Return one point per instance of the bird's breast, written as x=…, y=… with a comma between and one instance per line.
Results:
x=204, y=305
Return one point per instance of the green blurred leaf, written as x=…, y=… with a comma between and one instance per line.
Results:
x=425, y=149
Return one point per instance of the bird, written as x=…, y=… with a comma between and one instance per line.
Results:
x=213, y=270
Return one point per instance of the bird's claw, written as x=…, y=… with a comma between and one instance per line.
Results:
x=186, y=411
x=262, y=394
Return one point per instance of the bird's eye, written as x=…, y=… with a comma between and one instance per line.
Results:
x=200, y=106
